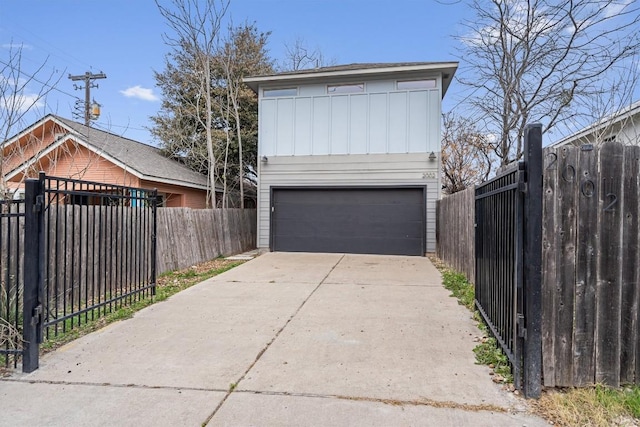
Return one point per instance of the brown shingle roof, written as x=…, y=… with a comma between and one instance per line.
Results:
x=148, y=161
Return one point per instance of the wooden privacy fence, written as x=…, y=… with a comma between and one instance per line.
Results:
x=189, y=236
x=590, y=264
x=455, y=233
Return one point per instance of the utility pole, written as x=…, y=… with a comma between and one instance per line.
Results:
x=88, y=79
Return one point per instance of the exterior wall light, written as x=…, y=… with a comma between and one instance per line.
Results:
x=264, y=159
x=432, y=157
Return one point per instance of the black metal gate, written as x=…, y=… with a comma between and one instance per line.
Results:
x=508, y=261
x=89, y=249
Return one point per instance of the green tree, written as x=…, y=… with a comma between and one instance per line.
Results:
x=194, y=40
x=244, y=53
x=208, y=117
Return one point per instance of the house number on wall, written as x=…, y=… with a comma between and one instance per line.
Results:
x=429, y=175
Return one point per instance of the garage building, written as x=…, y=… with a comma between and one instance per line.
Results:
x=349, y=157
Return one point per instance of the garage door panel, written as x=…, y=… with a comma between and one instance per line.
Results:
x=380, y=229
x=352, y=220
x=348, y=245
x=375, y=196
x=349, y=212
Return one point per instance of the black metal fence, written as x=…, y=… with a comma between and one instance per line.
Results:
x=500, y=223
x=89, y=249
x=99, y=250
x=508, y=219
x=11, y=280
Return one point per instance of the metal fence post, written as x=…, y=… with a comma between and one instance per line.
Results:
x=533, y=265
x=32, y=311
x=154, y=232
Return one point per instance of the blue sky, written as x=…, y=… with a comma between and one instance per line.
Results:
x=123, y=39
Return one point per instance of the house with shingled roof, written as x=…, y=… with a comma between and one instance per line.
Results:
x=64, y=148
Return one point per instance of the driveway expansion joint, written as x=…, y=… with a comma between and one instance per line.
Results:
x=394, y=402
x=266, y=347
x=113, y=385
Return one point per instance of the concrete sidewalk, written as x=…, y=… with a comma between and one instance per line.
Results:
x=284, y=339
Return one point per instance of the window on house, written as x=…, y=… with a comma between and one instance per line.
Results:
x=345, y=88
x=417, y=84
x=288, y=91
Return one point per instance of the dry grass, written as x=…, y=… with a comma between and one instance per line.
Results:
x=590, y=407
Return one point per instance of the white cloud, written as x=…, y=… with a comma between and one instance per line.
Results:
x=613, y=9
x=140, y=93
x=21, y=102
x=14, y=46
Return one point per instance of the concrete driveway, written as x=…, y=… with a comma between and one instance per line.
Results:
x=285, y=339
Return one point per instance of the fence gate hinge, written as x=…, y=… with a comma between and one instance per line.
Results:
x=522, y=186
x=37, y=207
x=522, y=331
x=36, y=315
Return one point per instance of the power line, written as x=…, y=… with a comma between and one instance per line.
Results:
x=106, y=126
x=61, y=53
x=33, y=77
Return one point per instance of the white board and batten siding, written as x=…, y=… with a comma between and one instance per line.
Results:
x=380, y=137
x=314, y=123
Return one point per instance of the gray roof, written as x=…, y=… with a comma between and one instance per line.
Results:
x=144, y=159
x=360, y=66
x=621, y=115
x=357, y=70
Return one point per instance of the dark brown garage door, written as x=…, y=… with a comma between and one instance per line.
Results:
x=352, y=220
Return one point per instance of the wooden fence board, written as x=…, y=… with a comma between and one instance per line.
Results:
x=629, y=264
x=609, y=286
x=565, y=233
x=586, y=270
x=549, y=265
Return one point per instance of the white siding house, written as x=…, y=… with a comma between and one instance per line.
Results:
x=622, y=126
x=349, y=157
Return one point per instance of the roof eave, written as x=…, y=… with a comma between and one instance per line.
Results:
x=601, y=124
x=447, y=69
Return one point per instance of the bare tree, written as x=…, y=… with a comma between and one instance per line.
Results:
x=21, y=92
x=244, y=53
x=612, y=115
x=467, y=154
x=299, y=56
x=542, y=60
x=196, y=27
